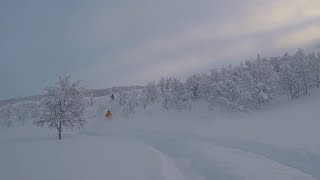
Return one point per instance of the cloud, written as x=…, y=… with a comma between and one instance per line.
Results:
x=109, y=43
x=267, y=27
x=300, y=37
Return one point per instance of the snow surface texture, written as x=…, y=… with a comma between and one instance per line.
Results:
x=280, y=143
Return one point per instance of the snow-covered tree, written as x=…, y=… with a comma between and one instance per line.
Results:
x=149, y=94
x=128, y=101
x=314, y=64
x=288, y=78
x=133, y=101
x=227, y=91
x=261, y=82
x=179, y=97
x=193, y=85
x=91, y=100
x=6, y=116
x=35, y=110
x=123, y=98
x=302, y=70
x=63, y=106
x=209, y=82
x=164, y=85
x=276, y=63
x=21, y=112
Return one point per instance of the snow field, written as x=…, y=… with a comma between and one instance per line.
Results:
x=280, y=143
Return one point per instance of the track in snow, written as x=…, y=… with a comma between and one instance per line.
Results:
x=192, y=158
x=168, y=166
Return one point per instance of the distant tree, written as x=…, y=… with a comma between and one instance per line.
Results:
x=288, y=77
x=179, y=97
x=314, y=65
x=164, y=85
x=261, y=81
x=91, y=100
x=35, y=110
x=227, y=90
x=63, y=106
x=21, y=112
x=133, y=101
x=276, y=63
x=302, y=70
x=149, y=94
x=6, y=116
x=193, y=85
x=128, y=101
x=123, y=98
x=209, y=82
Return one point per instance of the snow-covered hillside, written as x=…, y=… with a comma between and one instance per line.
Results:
x=278, y=143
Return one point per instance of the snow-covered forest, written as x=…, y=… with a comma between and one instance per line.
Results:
x=248, y=86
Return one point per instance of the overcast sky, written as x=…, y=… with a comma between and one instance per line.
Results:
x=111, y=43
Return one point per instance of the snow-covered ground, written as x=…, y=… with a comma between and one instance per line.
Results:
x=279, y=143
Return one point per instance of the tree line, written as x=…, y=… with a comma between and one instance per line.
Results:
x=247, y=86
x=250, y=85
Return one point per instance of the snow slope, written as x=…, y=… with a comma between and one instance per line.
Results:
x=280, y=143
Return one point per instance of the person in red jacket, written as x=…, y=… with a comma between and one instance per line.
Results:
x=109, y=115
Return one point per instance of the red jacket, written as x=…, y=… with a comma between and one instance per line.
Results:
x=108, y=115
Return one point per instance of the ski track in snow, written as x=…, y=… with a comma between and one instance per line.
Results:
x=169, y=169
x=196, y=158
